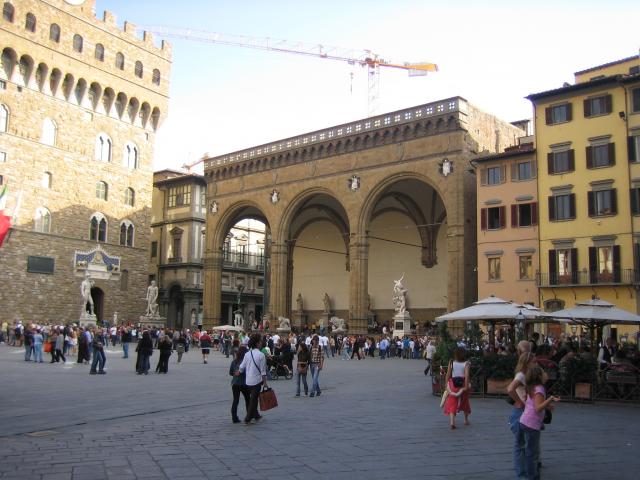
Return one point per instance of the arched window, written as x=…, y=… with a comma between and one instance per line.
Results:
x=49, y=132
x=139, y=69
x=126, y=233
x=42, y=220
x=30, y=23
x=129, y=197
x=7, y=12
x=130, y=156
x=103, y=148
x=4, y=118
x=77, y=43
x=119, y=61
x=47, y=180
x=98, y=229
x=102, y=190
x=156, y=77
x=54, y=33
x=99, y=52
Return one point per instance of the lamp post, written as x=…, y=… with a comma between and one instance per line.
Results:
x=519, y=326
x=240, y=287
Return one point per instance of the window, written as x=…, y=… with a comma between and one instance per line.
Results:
x=154, y=249
x=493, y=175
x=602, y=202
x=561, y=161
x=179, y=196
x=99, y=54
x=526, y=267
x=130, y=156
x=4, y=118
x=119, y=61
x=7, y=12
x=77, y=43
x=3, y=157
x=129, y=197
x=494, y=268
x=634, y=147
x=493, y=218
x=597, y=106
x=30, y=23
x=523, y=171
x=563, y=266
x=203, y=197
x=562, y=207
x=54, y=33
x=156, y=77
x=635, y=100
x=524, y=214
x=102, y=190
x=103, y=148
x=176, y=245
x=601, y=155
x=635, y=200
x=98, y=229
x=49, y=131
x=604, y=264
x=126, y=233
x=42, y=220
x=138, y=69
x=558, y=114
x=47, y=180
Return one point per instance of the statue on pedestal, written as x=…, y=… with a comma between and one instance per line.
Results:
x=284, y=324
x=299, y=303
x=152, y=297
x=85, y=291
x=399, y=295
x=238, y=320
x=338, y=325
x=327, y=303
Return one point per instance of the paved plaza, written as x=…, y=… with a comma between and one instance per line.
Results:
x=375, y=420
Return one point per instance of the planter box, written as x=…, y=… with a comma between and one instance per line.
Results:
x=497, y=387
x=582, y=391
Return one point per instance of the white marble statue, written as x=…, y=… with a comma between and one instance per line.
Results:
x=238, y=319
x=299, y=302
x=337, y=324
x=285, y=324
x=327, y=303
x=399, y=295
x=85, y=291
x=152, y=297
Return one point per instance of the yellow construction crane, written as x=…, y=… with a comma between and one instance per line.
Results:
x=364, y=58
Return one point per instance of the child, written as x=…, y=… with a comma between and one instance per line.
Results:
x=532, y=417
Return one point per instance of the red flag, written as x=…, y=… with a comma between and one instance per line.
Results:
x=5, y=223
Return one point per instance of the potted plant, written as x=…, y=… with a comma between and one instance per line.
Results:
x=499, y=371
x=580, y=372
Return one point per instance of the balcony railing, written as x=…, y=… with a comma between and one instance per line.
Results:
x=627, y=276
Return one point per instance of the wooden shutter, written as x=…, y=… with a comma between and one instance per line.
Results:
x=550, y=169
x=614, y=201
x=503, y=216
x=514, y=216
x=616, y=264
x=591, y=203
x=553, y=268
x=503, y=173
x=612, y=153
x=608, y=104
x=589, y=153
x=483, y=219
x=534, y=213
x=547, y=115
x=574, y=265
x=593, y=265
x=569, y=112
x=633, y=193
x=534, y=169
x=483, y=176
x=552, y=208
x=572, y=160
x=514, y=171
x=631, y=149
x=636, y=262
x=587, y=107
x=572, y=205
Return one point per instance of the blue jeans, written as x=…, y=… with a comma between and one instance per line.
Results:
x=382, y=354
x=518, y=444
x=37, y=352
x=125, y=349
x=326, y=350
x=302, y=376
x=27, y=352
x=531, y=452
x=315, y=373
x=99, y=359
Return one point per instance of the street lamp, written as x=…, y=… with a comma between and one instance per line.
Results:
x=240, y=287
x=519, y=325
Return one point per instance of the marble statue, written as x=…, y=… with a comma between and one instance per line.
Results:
x=152, y=297
x=337, y=325
x=238, y=319
x=399, y=295
x=85, y=291
x=327, y=303
x=284, y=324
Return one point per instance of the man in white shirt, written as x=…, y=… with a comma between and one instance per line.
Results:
x=254, y=365
x=324, y=343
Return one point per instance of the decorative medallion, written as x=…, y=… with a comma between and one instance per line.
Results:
x=275, y=196
x=96, y=262
x=354, y=183
x=446, y=167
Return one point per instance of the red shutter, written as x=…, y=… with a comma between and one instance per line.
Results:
x=572, y=160
x=587, y=108
x=589, y=154
x=608, y=104
x=547, y=116
x=514, y=216
x=503, y=216
x=483, y=219
x=591, y=205
x=552, y=208
x=550, y=169
x=534, y=213
x=612, y=154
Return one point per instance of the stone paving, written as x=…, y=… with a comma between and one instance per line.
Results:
x=375, y=420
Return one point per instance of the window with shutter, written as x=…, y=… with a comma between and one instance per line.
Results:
x=562, y=207
x=494, y=175
x=593, y=265
x=635, y=100
x=600, y=155
x=597, y=106
x=561, y=161
x=635, y=201
x=602, y=203
x=553, y=268
x=633, y=147
x=483, y=219
x=558, y=114
x=496, y=218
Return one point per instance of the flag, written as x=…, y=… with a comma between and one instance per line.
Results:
x=5, y=221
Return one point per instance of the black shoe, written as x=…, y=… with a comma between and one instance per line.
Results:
x=93, y=373
x=318, y=393
x=235, y=420
x=102, y=373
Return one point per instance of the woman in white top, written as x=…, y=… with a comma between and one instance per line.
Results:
x=458, y=386
x=254, y=365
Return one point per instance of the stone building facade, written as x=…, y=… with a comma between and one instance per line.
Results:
x=351, y=208
x=80, y=102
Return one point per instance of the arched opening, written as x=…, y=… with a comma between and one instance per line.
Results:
x=175, y=308
x=98, y=304
x=26, y=69
x=9, y=61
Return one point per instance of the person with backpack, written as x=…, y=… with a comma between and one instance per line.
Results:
x=205, y=345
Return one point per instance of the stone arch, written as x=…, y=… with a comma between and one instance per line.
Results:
x=155, y=118
x=145, y=114
x=132, y=110
x=80, y=92
x=9, y=62
x=42, y=72
x=95, y=94
x=26, y=68
x=54, y=81
x=231, y=215
x=121, y=104
x=108, y=99
x=68, y=85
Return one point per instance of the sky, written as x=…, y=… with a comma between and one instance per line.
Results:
x=492, y=53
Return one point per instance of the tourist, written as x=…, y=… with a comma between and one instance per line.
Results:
x=429, y=352
x=532, y=419
x=205, y=345
x=238, y=384
x=84, y=338
x=316, y=363
x=382, y=347
x=458, y=386
x=606, y=354
x=58, y=347
x=302, y=367
x=181, y=346
x=37, y=341
x=51, y=341
x=165, y=347
x=518, y=395
x=28, y=344
x=145, y=350
x=254, y=364
x=99, y=357
x=125, y=337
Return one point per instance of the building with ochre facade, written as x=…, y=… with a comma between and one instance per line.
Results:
x=80, y=103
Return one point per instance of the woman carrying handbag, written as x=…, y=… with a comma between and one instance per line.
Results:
x=301, y=369
x=458, y=386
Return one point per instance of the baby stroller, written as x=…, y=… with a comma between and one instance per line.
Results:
x=278, y=368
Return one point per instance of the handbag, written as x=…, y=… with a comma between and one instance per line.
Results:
x=445, y=394
x=548, y=416
x=47, y=347
x=458, y=382
x=303, y=367
x=267, y=398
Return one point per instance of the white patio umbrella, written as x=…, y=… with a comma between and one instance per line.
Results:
x=493, y=308
x=228, y=327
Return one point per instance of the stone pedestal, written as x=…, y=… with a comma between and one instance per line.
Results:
x=299, y=319
x=87, y=320
x=323, y=322
x=152, y=321
x=401, y=324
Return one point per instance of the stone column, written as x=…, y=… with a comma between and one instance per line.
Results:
x=457, y=282
x=212, y=291
x=278, y=280
x=289, y=310
x=358, y=283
